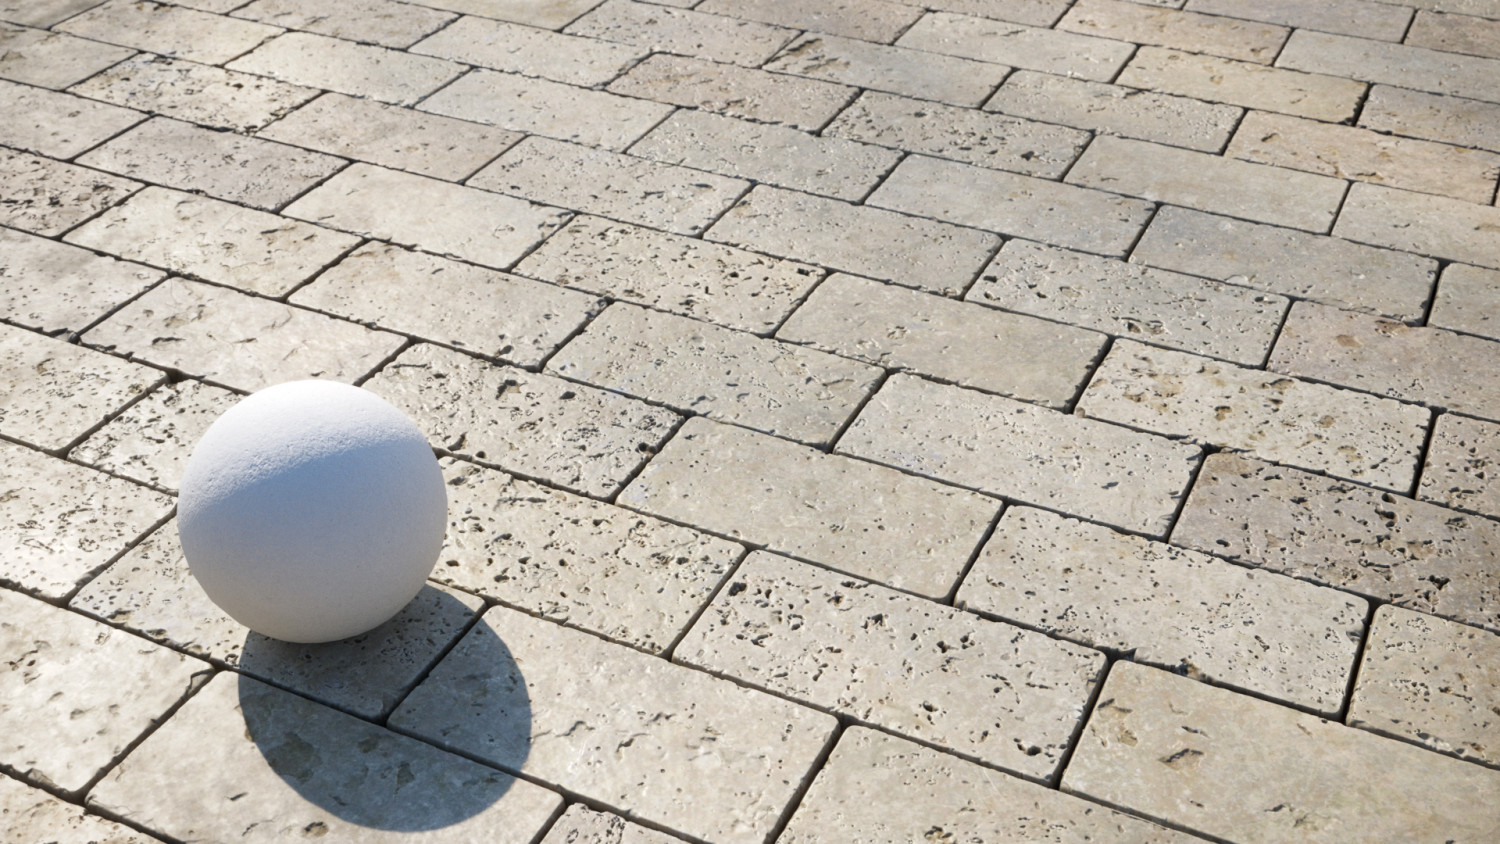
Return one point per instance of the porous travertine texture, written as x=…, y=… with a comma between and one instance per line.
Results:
x=53, y=286
x=582, y=825
x=32, y=814
x=198, y=93
x=151, y=440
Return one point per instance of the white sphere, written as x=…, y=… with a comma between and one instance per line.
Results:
x=312, y=511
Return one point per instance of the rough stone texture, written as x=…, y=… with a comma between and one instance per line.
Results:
x=577, y=437
x=1393, y=64
x=898, y=70
x=1286, y=261
x=214, y=240
x=905, y=532
x=1172, y=608
x=52, y=59
x=1286, y=420
x=34, y=815
x=477, y=309
x=673, y=273
x=902, y=329
x=633, y=732
x=1453, y=120
x=1047, y=50
x=237, y=340
x=151, y=440
x=51, y=286
x=1160, y=307
x=383, y=22
x=684, y=32
x=552, y=15
x=868, y=241
x=1411, y=553
x=434, y=216
x=1346, y=17
x=169, y=30
x=49, y=197
x=1366, y=352
x=960, y=134
x=77, y=693
x=735, y=91
x=1416, y=222
x=622, y=575
x=1455, y=34
x=1219, y=36
x=868, y=20
x=534, y=52
x=270, y=766
x=1021, y=206
x=1468, y=299
x=1319, y=97
x=1032, y=12
x=1246, y=770
x=1026, y=453
x=582, y=825
x=56, y=124
x=1432, y=682
x=43, y=12
x=361, y=70
x=198, y=93
x=985, y=690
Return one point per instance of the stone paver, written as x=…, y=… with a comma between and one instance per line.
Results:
x=1456, y=34
x=49, y=197
x=34, y=815
x=735, y=91
x=52, y=59
x=868, y=20
x=1190, y=31
x=633, y=732
x=551, y=15
x=1432, y=682
x=897, y=70
x=57, y=124
x=1031, y=12
x=1047, y=50
x=1393, y=64
x=1317, y=96
x=1360, y=18
x=151, y=440
x=1468, y=299
x=534, y=52
x=197, y=93
x=1422, y=223
x=582, y=825
x=870, y=521
x=1026, y=453
x=903, y=329
x=362, y=70
x=51, y=286
x=169, y=30
x=1172, y=608
x=1417, y=114
x=384, y=22
x=683, y=32
x=43, y=12
x=546, y=108
x=1247, y=770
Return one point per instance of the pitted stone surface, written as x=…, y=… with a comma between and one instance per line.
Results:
x=151, y=440
x=1417, y=114
x=549, y=109
x=51, y=286
x=169, y=30
x=683, y=31
x=1421, y=223
x=43, y=12
x=383, y=22
x=1460, y=465
x=1359, y=18
x=49, y=197
x=1047, y=50
x=361, y=70
x=52, y=59
x=582, y=825
x=1246, y=84
x=534, y=52
x=870, y=521
x=552, y=15
x=1468, y=300
x=1220, y=36
x=34, y=815
x=578, y=437
x=198, y=93
x=1393, y=64
x=632, y=732
x=56, y=124
x=868, y=20
x=1172, y=608
x=898, y=70
x=1078, y=466
x=735, y=91
x=985, y=690
x=1473, y=36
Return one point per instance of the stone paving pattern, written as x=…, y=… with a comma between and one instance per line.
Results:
x=863, y=420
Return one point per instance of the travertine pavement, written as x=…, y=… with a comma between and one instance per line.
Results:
x=862, y=420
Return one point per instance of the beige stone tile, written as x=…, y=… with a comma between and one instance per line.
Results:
x=550, y=109
x=1416, y=222
x=49, y=197
x=1417, y=114
x=50, y=286
x=150, y=441
x=1455, y=34
x=169, y=30
x=52, y=59
x=1032, y=12
x=552, y=15
x=383, y=22
x=531, y=51
x=1482, y=8
x=1360, y=18
x=582, y=825
x=34, y=815
x=361, y=70
x=898, y=70
x=867, y=20
x=56, y=124
x=1212, y=34
x=43, y=12
x=684, y=32
x=1314, y=95
x=735, y=91
x=1468, y=299
x=1393, y=64
x=196, y=93
x=1047, y=50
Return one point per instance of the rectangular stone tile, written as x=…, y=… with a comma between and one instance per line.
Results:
x=50, y=286
x=960, y=134
x=240, y=341
x=1417, y=114
x=1366, y=352
x=1456, y=34
x=870, y=521
x=899, y=70
x=1432, y=682
x=56, y=124
x=869, y=241
x=214, y=240
x=551, y=109
x=76, y=694
x=169, y=30
x=1243, y=769
x=659, y=29
x=480, y=310
x=582, y=439
x=1287, y=261
x=774, y=155
x=52, y=59
x=1394, y=64
x=151, y=440
x=196, y=93
x=32, y=814
x=1015, y=205
x=1077, y=466
x=1363, y=155
x=1482, y=8
x=552, y=15
x=49, y=197
x=735, y=91
x=690, y=366
x=1047, y=50
x=1318, y=96
x=880, y=789
x=582, y=825
x=1416, y=222
x=43, y=12
x=1116, y=110
x=1359, y=18
x=1031, y=12
x=383, y=22
x=271, y=766
x=1176, y=609
x=1286, y=420
x=902, y=329
x=362, y=70
x=868, y=20
x=531, y=51
x=1411, y=553
x=670, y=272
x=435, y=216
x=687, y=751
x=60, y=522
x=224, y=165
x=1468, y=299
x=611, y=184
x=1129, y=300
x=1219, y=36
x=983, y=690
x=1210, y=183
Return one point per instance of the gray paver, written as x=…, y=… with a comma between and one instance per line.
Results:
x=1078, y=466
x=214, y=240
x=1394, y=64
x=868, y=20
x=550, y=109
x=197, y=93
x=52, y=59
x=383, y=22
x=870, y=521
x=34, y=815
x=57, y=124
x=1417, y=222
x=1047, y=50
x=902, y=329
x=985, y=690
x=1432, y=682
x=1468, y=299
x=1321, y=97
x=50, y=286
x=151, y=440
x=582, y=825
x=735, y=91
x=1360, y=18
x=531, y=51
x=363, y=70
x=1124, y=21
x=868, y=241
x=638, y=758
x=1246, y=770
x=1172, y=608
x=49, y=197
x=43, y=12
x=1287, y=261
x=898, y=70
x=1411, y=553
x=169, y=30
x=551, y=15
x=576, y=437
x=1453, y=120
x=683, y=31
x=1129, y=300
